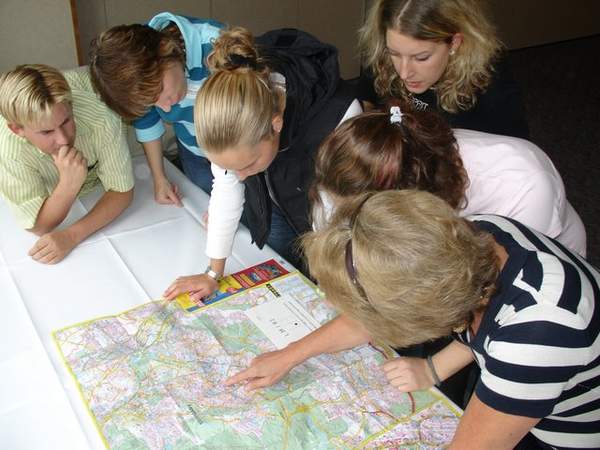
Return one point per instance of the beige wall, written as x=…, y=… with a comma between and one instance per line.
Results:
x=521, y=23
x=36, y=31
x=314, y=16
x=42, y=30
x=334, y=21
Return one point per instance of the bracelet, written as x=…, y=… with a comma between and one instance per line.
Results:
x=436, y=378
x=211, y=273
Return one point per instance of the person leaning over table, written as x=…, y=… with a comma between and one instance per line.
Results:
x=442, y=55
x=57, y=142
x=150, y=74
x=402, y=268
x=474, y=172
x=261, y=116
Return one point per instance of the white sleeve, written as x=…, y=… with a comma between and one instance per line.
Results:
x=224, y=212
x=323, y=211
x=353, y=110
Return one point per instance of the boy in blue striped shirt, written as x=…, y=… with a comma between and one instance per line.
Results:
x=150, y=74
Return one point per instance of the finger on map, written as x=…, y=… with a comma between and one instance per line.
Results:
x=388, y=366
x=238, y=377
x=256, y=383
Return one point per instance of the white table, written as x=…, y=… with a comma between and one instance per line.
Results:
x=128, y=263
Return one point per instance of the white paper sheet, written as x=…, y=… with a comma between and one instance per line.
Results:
x=283, y=320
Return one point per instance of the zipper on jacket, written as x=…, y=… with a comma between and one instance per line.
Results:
x=271, y=192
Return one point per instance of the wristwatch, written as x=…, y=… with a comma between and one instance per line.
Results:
x=211, y=273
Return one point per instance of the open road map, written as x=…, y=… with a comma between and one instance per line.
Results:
x=152, y=378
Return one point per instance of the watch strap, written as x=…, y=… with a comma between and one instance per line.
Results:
x=211, y=273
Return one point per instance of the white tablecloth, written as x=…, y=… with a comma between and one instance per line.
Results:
x=128, y=263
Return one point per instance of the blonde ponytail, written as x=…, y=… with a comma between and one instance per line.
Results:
x=237, y=103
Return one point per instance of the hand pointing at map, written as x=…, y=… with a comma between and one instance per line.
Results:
x=265, y=370
x=338, y=334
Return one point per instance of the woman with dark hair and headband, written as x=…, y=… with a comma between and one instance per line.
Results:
x=474, y=172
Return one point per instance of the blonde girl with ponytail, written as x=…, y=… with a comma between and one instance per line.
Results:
x=261, y=115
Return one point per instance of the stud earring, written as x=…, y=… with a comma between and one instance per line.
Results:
x=452, y=52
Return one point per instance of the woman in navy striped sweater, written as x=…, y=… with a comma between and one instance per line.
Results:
x=401, y=267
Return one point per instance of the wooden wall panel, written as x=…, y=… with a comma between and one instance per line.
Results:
x=92, y=20
x=98, y=15
x=140, y=11
x=258, y=16
x=521, y=23
x=36, y=31
x=336, y=22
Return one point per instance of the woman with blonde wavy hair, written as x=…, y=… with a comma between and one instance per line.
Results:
x=402, y=268
x=443, y=55
x=261, y=115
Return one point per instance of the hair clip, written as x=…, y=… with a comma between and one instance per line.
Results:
x=395, y=114
x=243, y=61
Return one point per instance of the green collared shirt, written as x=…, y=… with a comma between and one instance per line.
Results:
x=28, y=176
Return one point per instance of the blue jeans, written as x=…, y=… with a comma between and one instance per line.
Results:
x=196, y=168
x=282, y=237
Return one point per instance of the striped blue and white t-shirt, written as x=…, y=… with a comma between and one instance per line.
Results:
x=197, y=35
x=538, y=344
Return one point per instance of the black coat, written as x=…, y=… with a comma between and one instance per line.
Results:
x=316, y=100
x=498, y=110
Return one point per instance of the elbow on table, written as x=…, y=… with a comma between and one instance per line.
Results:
x=127, y=197
x=122, y=199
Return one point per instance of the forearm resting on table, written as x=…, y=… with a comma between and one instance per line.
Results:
x=108, y=208
x=266, y=369
x=339, y=334
x=54, y=209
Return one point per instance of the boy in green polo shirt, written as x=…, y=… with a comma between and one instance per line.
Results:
x=57, y=141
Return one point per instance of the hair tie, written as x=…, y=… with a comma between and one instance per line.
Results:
x=395, y=114
x=242, y=61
